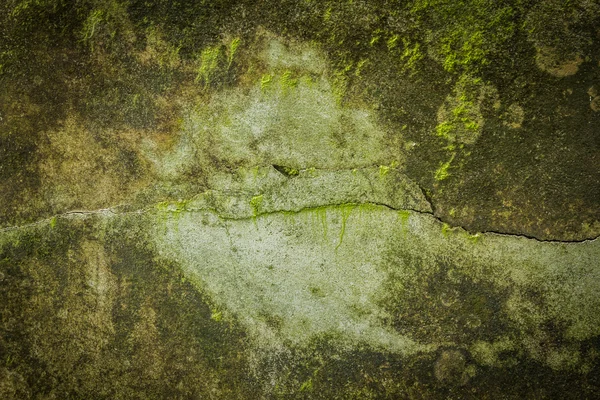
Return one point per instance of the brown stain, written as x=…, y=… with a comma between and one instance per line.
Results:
x=158, y=52
x=75, y=303
x=547, y=60
x=595, y=103
x=84, y=169
x=12, y=385
x=450, y=368
x=169, y=119
x=514, y=116
x=144, y=337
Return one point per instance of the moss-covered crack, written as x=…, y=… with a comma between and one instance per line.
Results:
x=177, y=207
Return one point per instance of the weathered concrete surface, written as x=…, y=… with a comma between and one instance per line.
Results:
x=299, y=199
x=287, y=297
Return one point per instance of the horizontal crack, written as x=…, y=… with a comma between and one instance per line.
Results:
x=491, y=232
x=430, y=214
x=429, y=200
x=113, y=211
x=83, y=213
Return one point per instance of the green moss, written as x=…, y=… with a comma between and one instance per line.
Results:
x=411, y=56
x=464, y=34
x=216, y=315
x=460, y=117
x=474, y=238
x=444, y=129
x=209, y=62
x=327, y=15
x=392, y=42
x=321, y=213
x=340, y=83
x=445, y=229
x=404, y=215
x=174, y=207
x=89, y=27
x=233, y=46
x=105, y=25
x=162, y=206
x=360, y=65
x=374, y=40
x=383, y=170
x=307, y=386
x=345, y=211
x=265, y=81
x=287, y=171
x=288, y=81
x=443, y=171
x=256, y=204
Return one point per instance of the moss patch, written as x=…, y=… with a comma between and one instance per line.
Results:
x=91, y=312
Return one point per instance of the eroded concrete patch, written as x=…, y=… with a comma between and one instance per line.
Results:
x=355, y=269
x=288, y=114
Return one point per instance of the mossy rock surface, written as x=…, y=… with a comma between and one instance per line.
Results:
x=299, y=199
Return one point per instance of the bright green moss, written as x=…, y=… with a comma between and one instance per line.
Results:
x=288, y=171
x=216, y=315
x=460, y=118
x=444, y=129
x=463, y=34
x=321, y=214
x=392, y=42
x=209, y=61
x=265, y=81
x=89, y=27
x=474, y=238
x=307, y=386
x=383, y=170
x=174, y=208
x=442, y=172
x=411, y=56
x=345, y=210
x=359, y=66
x=233, y=46
x=288, y=82
x=256, y=204
x=403, y=216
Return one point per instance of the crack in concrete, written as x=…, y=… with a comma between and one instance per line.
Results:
x=75, y=213
x=113, y=211
x=487, y=232
x=384, y=205
x=427, y=197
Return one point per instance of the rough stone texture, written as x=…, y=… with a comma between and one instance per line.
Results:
x=299, y=199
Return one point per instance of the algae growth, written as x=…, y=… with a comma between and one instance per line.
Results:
x=299, y=199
